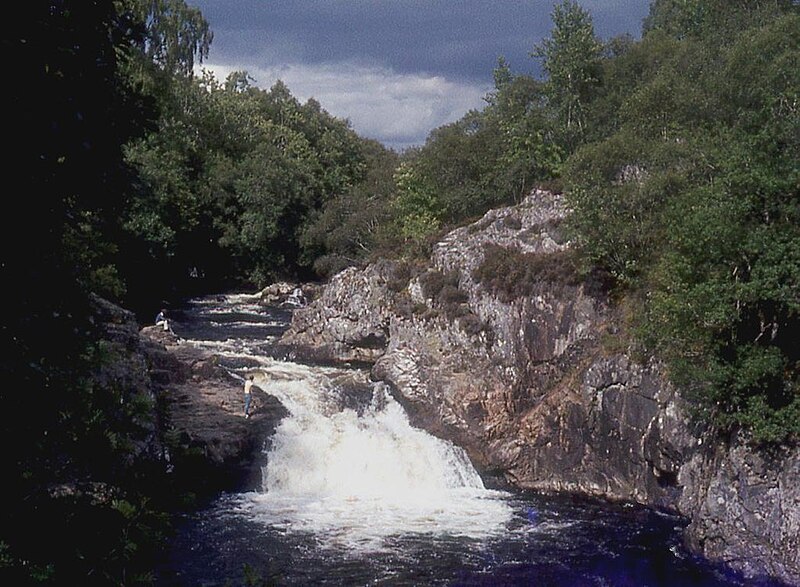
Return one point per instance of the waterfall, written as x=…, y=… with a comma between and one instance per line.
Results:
x=352, y=494
x=360, y=475
x=345, y=465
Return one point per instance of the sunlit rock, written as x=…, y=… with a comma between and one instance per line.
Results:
x=543, y=393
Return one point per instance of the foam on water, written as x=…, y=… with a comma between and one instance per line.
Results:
x=357, y=477
x=346, y=476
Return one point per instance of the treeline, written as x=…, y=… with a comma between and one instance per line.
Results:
x=206, y=184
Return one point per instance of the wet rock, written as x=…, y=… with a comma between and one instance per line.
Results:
x=214, y=448
x=276, y=293
x=285, y=294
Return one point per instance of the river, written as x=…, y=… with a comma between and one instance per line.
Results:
x=352, y=494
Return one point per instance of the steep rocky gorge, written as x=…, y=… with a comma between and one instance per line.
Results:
x=531, y=379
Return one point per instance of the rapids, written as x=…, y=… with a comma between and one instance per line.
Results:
x=352, y=494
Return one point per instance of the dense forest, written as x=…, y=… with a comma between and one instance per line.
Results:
x=142, y=182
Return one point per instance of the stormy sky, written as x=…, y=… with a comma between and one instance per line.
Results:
x=396, y=69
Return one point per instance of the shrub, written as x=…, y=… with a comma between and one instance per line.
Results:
x=401, y=274
x=509, y=273
x=512, y=222
x=433, y=280
x=442, y=289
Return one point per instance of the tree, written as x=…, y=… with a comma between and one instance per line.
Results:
x=571, y=60
x=353, y=226
x=691, y=202
x=716, y=21
x=417, y=208
x=529, y=152
x=725, y=307
x=175, y=34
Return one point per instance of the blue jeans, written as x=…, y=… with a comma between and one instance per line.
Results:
x=247, y=398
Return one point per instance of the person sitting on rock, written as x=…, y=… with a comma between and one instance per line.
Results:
x=297, y=298
x=161, y=320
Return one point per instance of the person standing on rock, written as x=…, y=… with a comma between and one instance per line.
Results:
x=248, y=395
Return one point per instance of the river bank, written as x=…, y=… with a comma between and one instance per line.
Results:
x=213, y=446
x=351, y=493
x=536, y=381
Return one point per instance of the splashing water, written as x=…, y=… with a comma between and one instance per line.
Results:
x=347, y=476
x=354, y=477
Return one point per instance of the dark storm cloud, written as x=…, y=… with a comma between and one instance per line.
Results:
x=461, y=40
x=441, y=51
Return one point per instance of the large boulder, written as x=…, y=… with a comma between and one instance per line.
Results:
x=348, y=322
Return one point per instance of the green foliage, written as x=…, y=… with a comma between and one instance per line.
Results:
x=174, y=34
x=716, y=21
x=571, y=59
x=488, y=158
x=233, y=178
x=354, y=225
x=692, y=198
x=417, y=208
x=484, y=160
x=619, y=188
x=625, y=66
x=78, y=431
x=528, y=150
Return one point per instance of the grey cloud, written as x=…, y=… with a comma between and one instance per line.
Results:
x=456, y=42
x=457, y=38
x=397, y=109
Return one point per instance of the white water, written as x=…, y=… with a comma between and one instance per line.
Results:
x=347, y=476
x=357, y=479
x=352, y=478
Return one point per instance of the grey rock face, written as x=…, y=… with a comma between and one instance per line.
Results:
x=533, y=392
x=744, y=508
x=349, y=322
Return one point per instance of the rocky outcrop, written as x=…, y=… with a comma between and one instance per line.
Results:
x=196, y=432
x=744, y=508
x=213, y=447
x=348, y=322
x=534, y=382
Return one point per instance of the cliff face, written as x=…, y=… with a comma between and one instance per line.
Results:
x=744, y=508
x=534, y=387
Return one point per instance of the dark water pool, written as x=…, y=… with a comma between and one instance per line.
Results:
x=550, y=542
